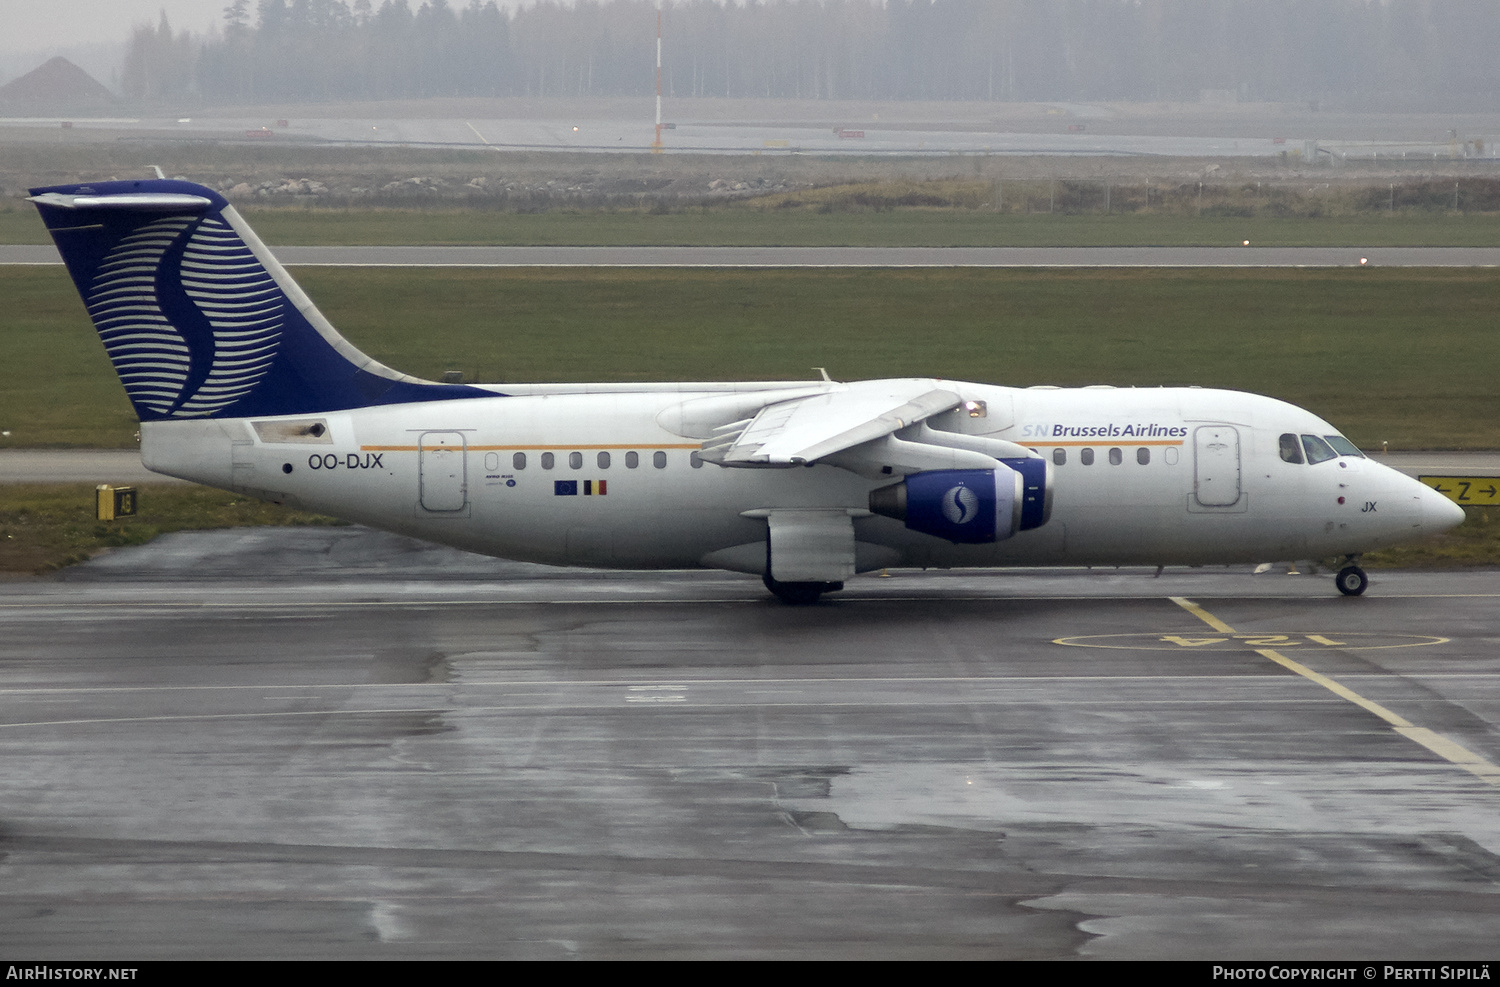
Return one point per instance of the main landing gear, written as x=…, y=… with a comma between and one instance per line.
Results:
x=798, y=594
x=1351, y=579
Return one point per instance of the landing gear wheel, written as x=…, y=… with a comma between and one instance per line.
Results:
x=1351, y=580
x=799, y=594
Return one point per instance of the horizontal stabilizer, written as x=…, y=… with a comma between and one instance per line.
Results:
x=137, y=201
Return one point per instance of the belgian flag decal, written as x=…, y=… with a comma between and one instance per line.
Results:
x=569, y=488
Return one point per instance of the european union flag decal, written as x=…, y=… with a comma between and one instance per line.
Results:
x=569, y=488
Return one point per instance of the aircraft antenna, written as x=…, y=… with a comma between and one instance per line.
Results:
x=656, y=144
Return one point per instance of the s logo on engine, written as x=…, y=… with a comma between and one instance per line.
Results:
x=960, y=505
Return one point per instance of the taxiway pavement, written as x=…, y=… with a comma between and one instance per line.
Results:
x=633, y=133
x=338, y=743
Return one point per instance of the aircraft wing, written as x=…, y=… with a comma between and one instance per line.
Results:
x=807, y=429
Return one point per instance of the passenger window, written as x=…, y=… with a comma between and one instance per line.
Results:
x=518, y=461
x=1116, y=457
x=1143, y=456
x=1059, y=456
x=659, y=460
x=547, y=460
x=603, y=460
x=1318, y=451
x=1343, y=446
x=1086, y=457
x=575, y=460
x=1291, y=450
x=695, y=461
x=632, y=460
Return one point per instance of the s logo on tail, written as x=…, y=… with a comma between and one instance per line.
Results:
x=199, y=319
x=225, y=322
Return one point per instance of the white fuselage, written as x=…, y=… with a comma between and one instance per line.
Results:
x=607, y=475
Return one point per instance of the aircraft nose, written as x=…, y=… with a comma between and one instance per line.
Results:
x=1438, y=512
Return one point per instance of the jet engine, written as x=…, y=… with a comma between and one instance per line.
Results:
x=970, y=506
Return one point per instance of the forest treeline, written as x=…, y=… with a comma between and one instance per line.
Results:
x=1345, y=54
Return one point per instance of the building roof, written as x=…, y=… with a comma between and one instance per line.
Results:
x=56, y=82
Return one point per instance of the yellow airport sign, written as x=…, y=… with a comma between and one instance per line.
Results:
x=1481, y=491
x=114, y=503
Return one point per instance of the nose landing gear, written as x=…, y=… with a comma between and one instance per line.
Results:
x=1351, y=579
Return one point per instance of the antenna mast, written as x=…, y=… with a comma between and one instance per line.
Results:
x=656, y=144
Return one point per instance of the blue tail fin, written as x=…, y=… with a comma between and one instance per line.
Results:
x=198, y=318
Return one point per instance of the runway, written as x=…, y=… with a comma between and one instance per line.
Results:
x=334, y=743
x=1228, y=256
x=1106, y=136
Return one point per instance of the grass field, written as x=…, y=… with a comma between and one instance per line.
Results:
x=47, y=526
x=1398, y=355
x=747, y=226
x=1405, y=356
x=1473, y=544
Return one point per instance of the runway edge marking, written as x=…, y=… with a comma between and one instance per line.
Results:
x=1449, y=751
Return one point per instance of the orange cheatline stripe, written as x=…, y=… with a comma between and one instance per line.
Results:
x=539, y=448
x=1117, y=440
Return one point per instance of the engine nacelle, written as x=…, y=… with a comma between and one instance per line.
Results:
x=1036, y=484
x=963, y=506
x=970, y=507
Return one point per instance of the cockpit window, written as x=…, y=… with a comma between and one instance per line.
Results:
x=1318, y=451
x=1291, y=449
x=1343, y=446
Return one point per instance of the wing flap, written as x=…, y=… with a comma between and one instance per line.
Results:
x=804, y=430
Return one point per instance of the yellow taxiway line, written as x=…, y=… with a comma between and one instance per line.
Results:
x=1435, y=742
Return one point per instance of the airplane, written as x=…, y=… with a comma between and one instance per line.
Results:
x=241, y=383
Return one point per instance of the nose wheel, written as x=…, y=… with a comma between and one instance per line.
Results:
x=1351, y=580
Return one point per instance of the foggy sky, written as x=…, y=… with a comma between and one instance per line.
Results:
x=1391, y=55
x=30, y=24
x=93, y=32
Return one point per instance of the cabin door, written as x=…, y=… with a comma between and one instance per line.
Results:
x=1216, y=477
x=443, y=482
